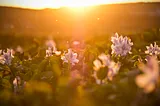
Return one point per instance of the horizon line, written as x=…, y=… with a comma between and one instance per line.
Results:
x=42, y=8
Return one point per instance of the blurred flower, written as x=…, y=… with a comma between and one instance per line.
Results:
x=121, y=45
x=105, y=61
x=153, y=49
x=70, y=57
x=16, y=83
x=2, y=59
x=51, y=48
x=113, y=69
x=19, y=49
x=76, y=42
x=50, y=43
x=58, y=53
x=97, y=65
x=75, y=74
x=6, y=57
x=49, y=52
x=149, y=79
x=102, y=61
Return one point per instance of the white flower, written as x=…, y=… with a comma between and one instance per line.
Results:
x=70, y=57
x=105, y=61
x=49, y=52
x=102, y=61
x=51, y=48
x=113, y=69
x=153, y=49
x=121, y=45
x=97, y=65
x=58, y=53
x=149, y=79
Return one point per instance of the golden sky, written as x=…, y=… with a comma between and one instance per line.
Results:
x=38, y=4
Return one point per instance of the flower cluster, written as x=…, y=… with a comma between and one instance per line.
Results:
x=70, y=57
x=153, y=49
x=102, y=62
x=121, y=45
x=149, y=79
x=6, y=57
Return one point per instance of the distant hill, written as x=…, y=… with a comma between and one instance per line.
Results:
x=94, y=20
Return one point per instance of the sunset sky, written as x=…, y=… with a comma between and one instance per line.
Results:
x=38, y=4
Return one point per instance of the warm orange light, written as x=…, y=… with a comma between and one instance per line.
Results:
x=38, y=4
x=83, y=3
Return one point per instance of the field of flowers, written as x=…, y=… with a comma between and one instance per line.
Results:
x=106, y=70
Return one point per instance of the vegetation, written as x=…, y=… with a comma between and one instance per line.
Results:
x=106, y=70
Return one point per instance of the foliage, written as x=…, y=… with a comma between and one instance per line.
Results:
x=34, y=79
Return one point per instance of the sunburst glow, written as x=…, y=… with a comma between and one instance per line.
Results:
x=60, y=3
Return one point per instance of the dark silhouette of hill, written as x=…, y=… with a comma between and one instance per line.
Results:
x=93, y=20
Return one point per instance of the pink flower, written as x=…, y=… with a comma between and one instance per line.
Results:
x=121, y=45
x=70, y=57
x=6, y=57
x=153, y=49
x=149, y=79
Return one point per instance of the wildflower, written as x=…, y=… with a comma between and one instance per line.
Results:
x=113, y=70
x=49, y=52
x=104, y=63
x=16, y=83
x=2, y=59
x=51, y=48
x=121, y=45
x=6, y=57
x=58, y=53
x=70, y=57
x=149, y=79
x=105, y=59
x=153, y=49
x=97, y=65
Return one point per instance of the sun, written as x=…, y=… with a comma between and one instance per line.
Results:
x=84, y=3
x=39, y=4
